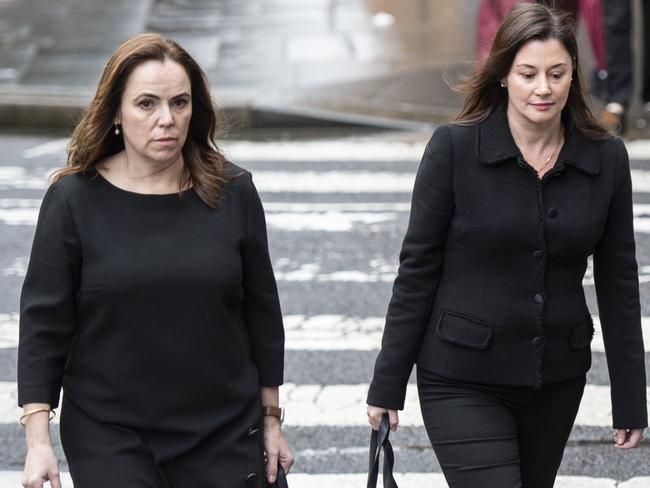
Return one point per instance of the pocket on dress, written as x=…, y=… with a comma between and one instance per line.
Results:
x=464, y=330
x=582, y=334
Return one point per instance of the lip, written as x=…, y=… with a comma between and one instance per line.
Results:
x=542, y=106
x=166, y=140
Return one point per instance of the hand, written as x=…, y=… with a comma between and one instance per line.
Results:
x=41, y=465
x=627, y=438
x=376, y=413
x=276, y=449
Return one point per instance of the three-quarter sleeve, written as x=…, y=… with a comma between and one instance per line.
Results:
x=48, y=302
x=617, y=290
x=261, y=302
x=418, y=275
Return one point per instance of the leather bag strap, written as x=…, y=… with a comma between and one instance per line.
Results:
x=378, y=442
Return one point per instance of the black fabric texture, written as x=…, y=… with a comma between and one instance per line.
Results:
x=489, y=241
x=152, y=311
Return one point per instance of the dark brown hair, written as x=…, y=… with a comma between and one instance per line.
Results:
x=93, y=139
x=525, y=22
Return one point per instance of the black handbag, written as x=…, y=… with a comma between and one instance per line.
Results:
x=280, y=480
x=378, y=442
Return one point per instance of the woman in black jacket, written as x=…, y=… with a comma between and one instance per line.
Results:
x=509, y=202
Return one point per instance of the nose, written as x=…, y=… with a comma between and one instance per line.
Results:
x=165, y=117
x=543, y=87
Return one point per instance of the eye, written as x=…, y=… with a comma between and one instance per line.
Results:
x=180, y=102
x=145, y=104
x=528, y=76
x=557, y=76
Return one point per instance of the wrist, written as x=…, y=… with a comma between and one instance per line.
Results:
x=274, y=412
x=272, y=423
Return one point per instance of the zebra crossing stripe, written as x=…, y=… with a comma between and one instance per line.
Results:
x=312, y=405
x=361, y=149
x=298, y=182
x=404, y=480
x=323, y=332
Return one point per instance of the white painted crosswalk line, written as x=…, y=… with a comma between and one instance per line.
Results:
x=298, y=182
x=362, y=149
x=344, y=405
x=322, y=332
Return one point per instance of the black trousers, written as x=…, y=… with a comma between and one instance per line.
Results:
x=493, y=436
x=111, y=456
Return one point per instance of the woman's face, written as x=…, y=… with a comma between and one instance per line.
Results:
x=155, y=112
x=538, y=82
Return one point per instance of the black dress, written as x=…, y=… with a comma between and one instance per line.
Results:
x=154, y=312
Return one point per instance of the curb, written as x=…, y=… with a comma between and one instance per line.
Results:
x=33, y=107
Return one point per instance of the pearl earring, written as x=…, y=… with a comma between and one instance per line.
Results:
x=117, y=129
x=503, y=85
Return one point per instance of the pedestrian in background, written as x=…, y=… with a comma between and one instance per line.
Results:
x=509, y=202
x=492, y=12
x=150, y=296
x=618, y=34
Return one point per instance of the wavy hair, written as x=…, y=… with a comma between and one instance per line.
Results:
x=523, y=23
x=93, y=139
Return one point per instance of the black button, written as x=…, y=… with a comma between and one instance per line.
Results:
x=538, y=341
x=552, y=213
x=539, y=254
x=251, y=432
x=538, y=298
x=251, y=479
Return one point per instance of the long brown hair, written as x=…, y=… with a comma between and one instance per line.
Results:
x=525, y=22
x=93, y=138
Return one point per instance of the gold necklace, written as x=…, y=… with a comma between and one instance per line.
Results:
x=548, y=160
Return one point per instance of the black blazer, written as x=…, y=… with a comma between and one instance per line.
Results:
x=489, y=288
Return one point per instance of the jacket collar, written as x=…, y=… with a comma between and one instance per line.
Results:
x=495, y=145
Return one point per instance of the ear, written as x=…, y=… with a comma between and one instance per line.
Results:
x=502, y=83
x=118, y=118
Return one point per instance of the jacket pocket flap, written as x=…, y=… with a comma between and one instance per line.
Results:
x=582, y=334
x=464, y=331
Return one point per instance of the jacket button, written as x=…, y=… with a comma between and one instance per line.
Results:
x=538, y=341
x=251, y=479
x=552, y=213
x=251, y=432
x=538, y=298
x=539, y=254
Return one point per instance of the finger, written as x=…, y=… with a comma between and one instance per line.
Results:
x=374, y=419
x=55, y=480
x=635, y=437
x=619, y=437
x=393, y=419
x=271, y=466
x=286, y=460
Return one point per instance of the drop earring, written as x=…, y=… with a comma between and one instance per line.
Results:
x=117, y=129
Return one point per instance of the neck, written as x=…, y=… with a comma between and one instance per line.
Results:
x=531, y=135
x=151, y=176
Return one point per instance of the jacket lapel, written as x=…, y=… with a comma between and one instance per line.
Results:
x=495, y=145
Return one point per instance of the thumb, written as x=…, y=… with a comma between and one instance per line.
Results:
x=393, y=419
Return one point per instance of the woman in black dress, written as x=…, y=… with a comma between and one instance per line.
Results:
x=509, y=202
x=150, y=296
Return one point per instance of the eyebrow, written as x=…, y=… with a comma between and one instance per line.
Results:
x=156, y=97
x=524, y=65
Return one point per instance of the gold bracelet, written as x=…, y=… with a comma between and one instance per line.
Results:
x=274, y=412
x=52, y=414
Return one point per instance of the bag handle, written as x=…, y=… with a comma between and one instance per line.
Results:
x=280, y=480
x=378, y=441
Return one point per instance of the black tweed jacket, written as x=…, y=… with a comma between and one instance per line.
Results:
x=489, y=287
